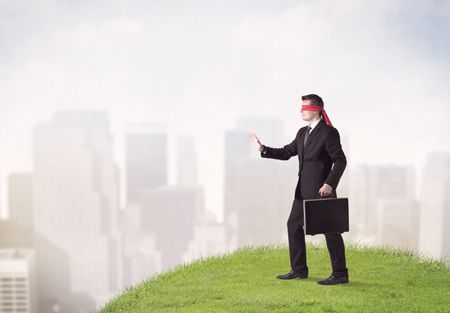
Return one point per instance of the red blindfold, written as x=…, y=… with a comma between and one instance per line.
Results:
x=317, y=108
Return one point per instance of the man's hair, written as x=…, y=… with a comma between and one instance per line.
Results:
x=314, y=100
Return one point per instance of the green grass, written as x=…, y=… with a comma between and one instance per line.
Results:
x=381, y=279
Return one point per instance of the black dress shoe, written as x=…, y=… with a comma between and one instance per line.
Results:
x=332, y=280
x=292, y=275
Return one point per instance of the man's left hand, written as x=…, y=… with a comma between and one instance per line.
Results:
x=325, y=190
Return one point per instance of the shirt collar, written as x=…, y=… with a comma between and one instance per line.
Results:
x=314, y=124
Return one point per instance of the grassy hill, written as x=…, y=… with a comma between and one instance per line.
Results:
x=381, y=279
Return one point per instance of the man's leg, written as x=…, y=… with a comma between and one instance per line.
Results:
x=296, y=235
x=336, y=248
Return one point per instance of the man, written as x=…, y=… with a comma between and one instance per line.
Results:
x=321, y=165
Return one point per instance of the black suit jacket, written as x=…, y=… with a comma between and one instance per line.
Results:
x=320, y=161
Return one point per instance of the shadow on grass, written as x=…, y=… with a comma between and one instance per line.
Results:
x=360, y=284
x=351, y=283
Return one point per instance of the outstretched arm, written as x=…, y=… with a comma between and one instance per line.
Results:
x=284, y=153
x=334, y=150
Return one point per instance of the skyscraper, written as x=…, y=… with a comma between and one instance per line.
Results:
x=75, y=197
x=20, y=198
x=435, y=206
x=146, y=159
x=17, y=281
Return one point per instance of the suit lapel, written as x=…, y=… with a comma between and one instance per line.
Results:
x=311, y=136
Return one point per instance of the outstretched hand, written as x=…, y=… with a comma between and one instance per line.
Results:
x=255, y=140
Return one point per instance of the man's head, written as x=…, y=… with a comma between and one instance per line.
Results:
x=313, y=100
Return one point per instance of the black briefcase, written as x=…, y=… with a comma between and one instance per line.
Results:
x=325, y=215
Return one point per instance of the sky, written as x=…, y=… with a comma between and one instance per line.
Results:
x=382, y=68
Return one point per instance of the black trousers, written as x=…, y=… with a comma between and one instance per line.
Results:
x=297, y=245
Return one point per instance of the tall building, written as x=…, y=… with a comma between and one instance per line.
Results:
x=75, y=198
x=17, y=281
x=187, y=168
x=20, y=198
x=146, y=150
x=435, y=206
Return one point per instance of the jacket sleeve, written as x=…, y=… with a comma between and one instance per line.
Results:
x=334, y=150
x=284, y=153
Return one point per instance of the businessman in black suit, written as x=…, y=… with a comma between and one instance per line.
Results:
x=321, y=165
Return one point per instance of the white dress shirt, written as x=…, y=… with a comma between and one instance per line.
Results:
x=313, y=124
